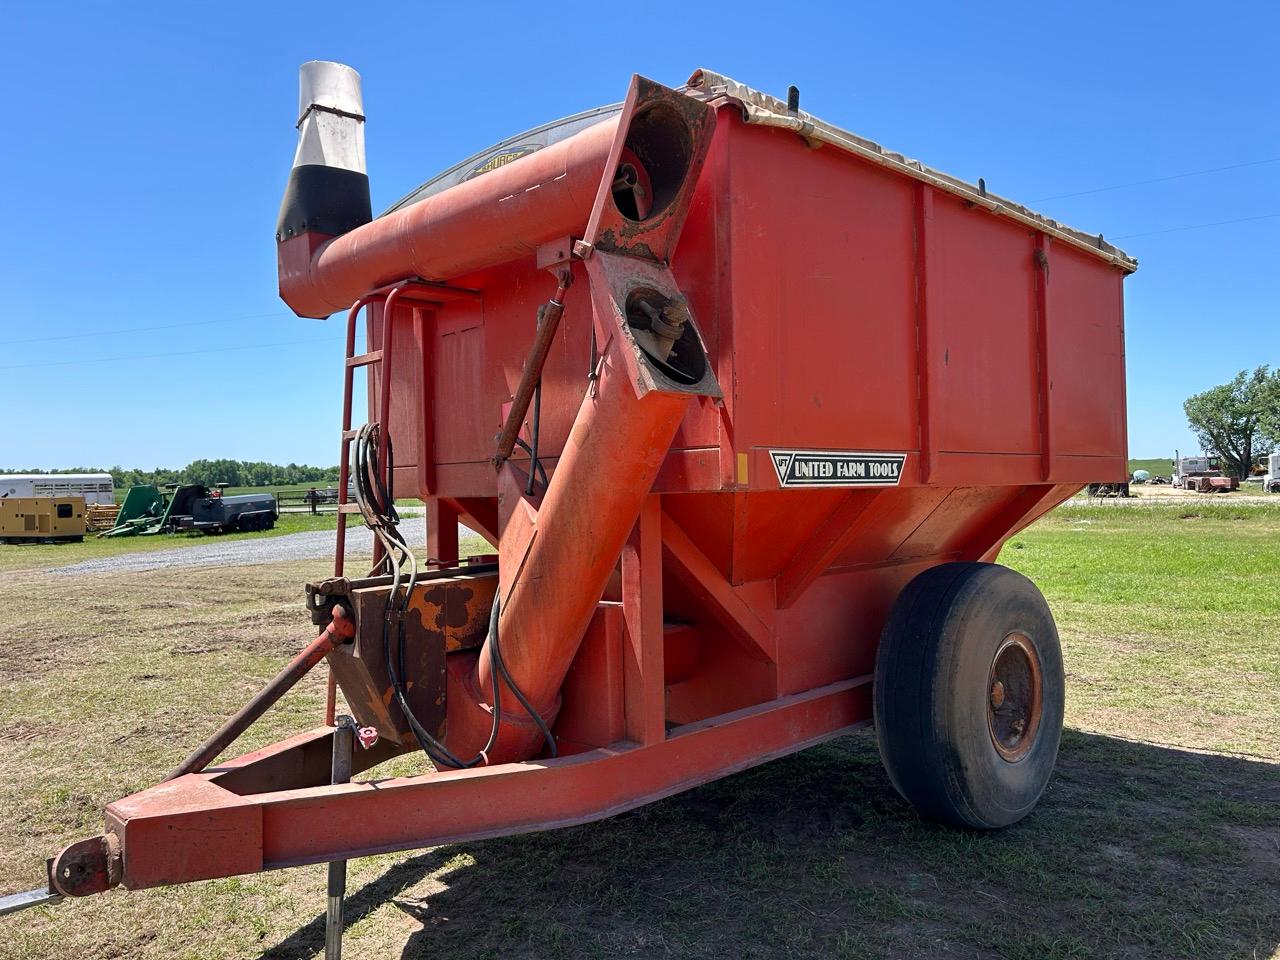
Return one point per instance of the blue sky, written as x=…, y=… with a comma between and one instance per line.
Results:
x=146, y=148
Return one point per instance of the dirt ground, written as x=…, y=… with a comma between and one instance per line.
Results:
x=1163, y=493
x=1159, y=835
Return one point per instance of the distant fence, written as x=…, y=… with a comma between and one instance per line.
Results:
x=307, y=501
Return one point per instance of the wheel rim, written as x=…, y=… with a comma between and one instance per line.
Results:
x=1015, y=697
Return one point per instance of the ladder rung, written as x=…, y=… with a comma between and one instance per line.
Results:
x=348, y=508
x=364, y=359
x=350, y=434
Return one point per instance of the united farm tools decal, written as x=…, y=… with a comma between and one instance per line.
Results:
x=836, y=468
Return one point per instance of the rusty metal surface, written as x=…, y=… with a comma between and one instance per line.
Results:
x=87, y=867
x=446, y=614
x=1016, y=697
x=322, y=595
x=618, y=283
x=662, y=140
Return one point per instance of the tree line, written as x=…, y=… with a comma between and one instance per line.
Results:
x=238, y=473
x=1238, y=420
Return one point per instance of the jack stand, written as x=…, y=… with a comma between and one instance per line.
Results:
x=343, y=748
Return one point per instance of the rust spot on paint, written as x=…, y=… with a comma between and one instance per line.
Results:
x=457, y=613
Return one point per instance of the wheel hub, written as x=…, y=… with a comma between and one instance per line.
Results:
x=1016, y=700
x=997, y=695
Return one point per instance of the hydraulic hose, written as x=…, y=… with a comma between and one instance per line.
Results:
x=377, y=506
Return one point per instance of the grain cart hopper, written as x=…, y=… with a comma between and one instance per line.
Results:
x=746, y=406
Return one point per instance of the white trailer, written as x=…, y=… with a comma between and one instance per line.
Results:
x=1185, y=468
x=94, y=487
x=1271, y=482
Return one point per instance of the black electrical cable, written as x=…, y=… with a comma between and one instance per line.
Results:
x=537, y=464
x=380, y=515
x=440, y=754
x=370, y=495
x=595, y=358
x=500, y=666
x=383, y=512
x=377, y=505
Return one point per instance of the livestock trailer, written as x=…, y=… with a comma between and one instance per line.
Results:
x=746, y=406
x=95, y=488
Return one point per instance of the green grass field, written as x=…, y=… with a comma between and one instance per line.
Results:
x=1159, y=835
x=1175, y=598
x=1156, y=467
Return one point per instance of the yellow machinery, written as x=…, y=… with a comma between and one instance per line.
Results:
x=24, y=519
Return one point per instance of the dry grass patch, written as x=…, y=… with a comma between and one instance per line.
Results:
x=1137, y=850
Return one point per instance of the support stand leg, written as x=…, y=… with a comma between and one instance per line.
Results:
x=343, y=747
x=644, y=693
x=442, y=534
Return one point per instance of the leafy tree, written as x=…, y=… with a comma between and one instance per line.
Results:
x=1270, y=423
x=1237, y=420
x=238, y=473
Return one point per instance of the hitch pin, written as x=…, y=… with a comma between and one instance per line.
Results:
x=38, y=897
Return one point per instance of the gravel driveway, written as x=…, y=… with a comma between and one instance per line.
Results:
x=230, y=553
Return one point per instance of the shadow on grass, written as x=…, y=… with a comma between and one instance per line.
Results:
x=1134, y=851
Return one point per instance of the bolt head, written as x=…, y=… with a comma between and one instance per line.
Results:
x=676, y=312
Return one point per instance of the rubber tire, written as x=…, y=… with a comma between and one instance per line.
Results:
x=931, y=694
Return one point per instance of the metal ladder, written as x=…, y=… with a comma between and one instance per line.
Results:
x=343, y=741
x=422, y=293
x=352, y=361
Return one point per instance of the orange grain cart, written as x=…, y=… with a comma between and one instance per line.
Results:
x=746, y=406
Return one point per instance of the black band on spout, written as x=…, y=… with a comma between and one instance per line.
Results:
x=320, y=199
